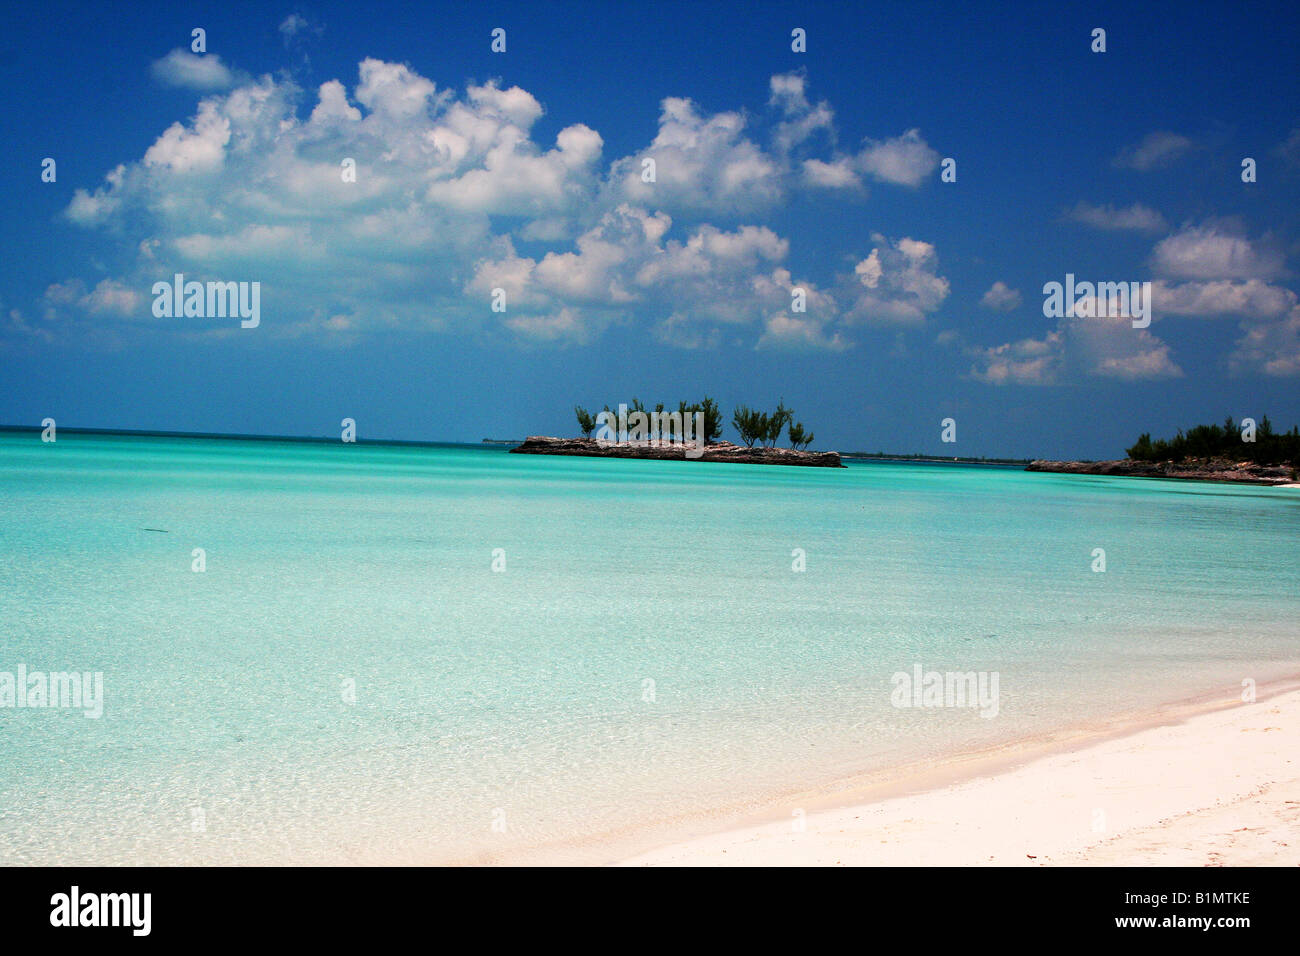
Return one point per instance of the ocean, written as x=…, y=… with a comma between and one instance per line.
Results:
x=425, y=654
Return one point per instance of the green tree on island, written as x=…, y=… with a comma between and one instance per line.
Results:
x=749, y=424
x=755, y=426
x=1222, y=441
x=799, y=440
x=776, y=422
x=752, y=425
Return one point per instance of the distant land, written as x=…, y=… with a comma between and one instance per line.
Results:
x=693, y=432
x=1248, y=452
x=1192, y=469
x=227, y=436
x=1205, y=453
x=940, y=459
x=717, y=451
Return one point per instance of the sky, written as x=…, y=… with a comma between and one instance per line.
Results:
x=798, y=239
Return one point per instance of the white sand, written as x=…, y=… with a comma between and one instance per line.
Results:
x=1220, y=787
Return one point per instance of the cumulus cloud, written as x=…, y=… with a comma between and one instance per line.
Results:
x=91, y=208
x=1112, y=348
x=1105, y=347
x=1252, y=298
x=1025, y=362
x=201, y=146
x=1272, y=348
x=788, y=93
x=701, y=163
x=193, y=71
x=1137, y=217
x=800, y=334
x=1155, y=151
x=1001, y=298
x=1214, y=271
x=332, y=104
x=715, y=277
x=564, y=325
x=1214, y=252
x=905, y=160
x=801, y=119
x=510, y=174
x=393, y=90
x=109, y=296
x=838, y=174
x=390, y=202
x=898, y=283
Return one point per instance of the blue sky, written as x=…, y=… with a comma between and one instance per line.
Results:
x=775, y=170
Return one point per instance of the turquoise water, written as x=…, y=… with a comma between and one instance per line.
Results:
x=498, y=710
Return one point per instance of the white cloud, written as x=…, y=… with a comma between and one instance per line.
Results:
x=201, y=147
x=701, y=163
x=787, y=93
x=1155, y=151
x=89, y=209
x=393, y=89
x=714, y=277
x=69, y=312
x=799, y=333
x=1001, y=298
x=1107, y=347
x=838, y=174
x=563, y=326
x=1026, y=362
x=904, y=160
x=1272, y=348
x=516, y=178
x=1252, y=298
x=802, y=120
x=1224, y=274
x=193, y=71
x=112, y=296
x=450, y=182
x=292, y=25
x=1137, y=217
x=333, y=105
x=898, y=283
x=1213, y=252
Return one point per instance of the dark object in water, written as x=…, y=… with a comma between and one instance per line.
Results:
x=159, y=530
x=1202, y=469
x=716, y=451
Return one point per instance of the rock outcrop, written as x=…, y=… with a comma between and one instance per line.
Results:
x=1198, y=469
x=715, y=451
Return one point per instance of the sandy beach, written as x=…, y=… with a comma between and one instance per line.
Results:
x=1214, y=783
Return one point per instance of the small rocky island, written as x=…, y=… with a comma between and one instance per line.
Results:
x=714, y=451
x=693, y=432
x=1196, y=469
x=1246, y=452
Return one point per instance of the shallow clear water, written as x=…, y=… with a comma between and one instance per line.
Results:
x=647, y=652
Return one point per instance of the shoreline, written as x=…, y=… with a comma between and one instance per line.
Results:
x=1175, y=786
x=717, y=451
x=759, y=832
x=1192, y=469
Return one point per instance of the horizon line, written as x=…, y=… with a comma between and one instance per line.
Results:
x=428, y=443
